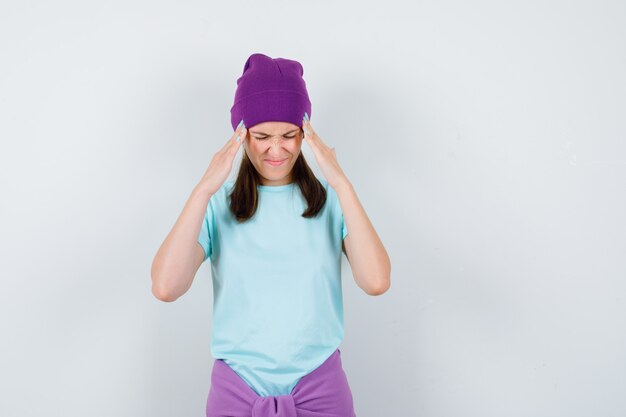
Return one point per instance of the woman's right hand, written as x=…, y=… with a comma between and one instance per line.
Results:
x=222, y=161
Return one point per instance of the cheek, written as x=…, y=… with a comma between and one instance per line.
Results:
x=296, y=145
x=253, y=147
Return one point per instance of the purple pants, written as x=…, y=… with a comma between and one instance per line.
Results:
x=324, y=392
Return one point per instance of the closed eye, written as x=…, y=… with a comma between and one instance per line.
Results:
x=265, y=137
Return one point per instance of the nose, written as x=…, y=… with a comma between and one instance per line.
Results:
x=275, y=144
x=276, y=140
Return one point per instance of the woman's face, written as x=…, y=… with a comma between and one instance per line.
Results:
x=273, y=141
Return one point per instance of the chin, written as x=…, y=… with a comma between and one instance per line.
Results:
x=276, y=175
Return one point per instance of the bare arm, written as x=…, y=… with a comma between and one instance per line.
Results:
x=180, y=255
x=369, y=261
x=368, y=258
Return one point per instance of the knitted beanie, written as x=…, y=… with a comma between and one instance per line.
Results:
x=270, y=89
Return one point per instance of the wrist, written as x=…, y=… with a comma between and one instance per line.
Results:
x=202, y=189
x=343, y=186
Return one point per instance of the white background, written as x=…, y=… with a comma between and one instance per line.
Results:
x=485, y=140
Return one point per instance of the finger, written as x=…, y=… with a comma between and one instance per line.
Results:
x=238, y=140
x=307, y=133
x=310, y=129
x=306, y=126
x=240, y=133
x=312, y=136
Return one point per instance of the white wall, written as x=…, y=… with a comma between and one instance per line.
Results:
x=485, y=140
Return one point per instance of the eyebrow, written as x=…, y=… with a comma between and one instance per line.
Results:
x=261, y=133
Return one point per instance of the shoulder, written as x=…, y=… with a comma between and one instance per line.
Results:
x=332, y=200
x=330, y=190
x=220, y=199
x=324, y=183
x=226, y=188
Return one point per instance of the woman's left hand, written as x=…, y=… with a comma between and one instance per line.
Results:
x=324, y=155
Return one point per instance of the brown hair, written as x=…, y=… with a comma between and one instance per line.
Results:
x=244, y=196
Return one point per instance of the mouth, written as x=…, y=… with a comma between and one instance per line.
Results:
x=275, y=163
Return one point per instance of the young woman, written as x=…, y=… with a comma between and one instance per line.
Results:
x=275, y=237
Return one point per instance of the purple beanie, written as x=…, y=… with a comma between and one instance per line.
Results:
x=270, y=89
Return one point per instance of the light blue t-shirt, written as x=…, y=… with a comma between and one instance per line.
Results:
x=277, y=295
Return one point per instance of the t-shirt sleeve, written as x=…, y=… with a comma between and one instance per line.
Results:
x=338, y=213
x=206, y=232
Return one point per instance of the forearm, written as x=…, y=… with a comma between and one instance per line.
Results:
x=368, y=258
x=173, y=268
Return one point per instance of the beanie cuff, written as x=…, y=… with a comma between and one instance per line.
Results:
x=271, y=105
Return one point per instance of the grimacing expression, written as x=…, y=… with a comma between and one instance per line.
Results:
x=273, y=141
